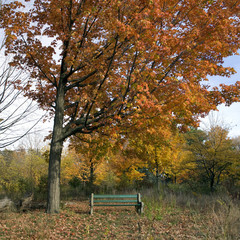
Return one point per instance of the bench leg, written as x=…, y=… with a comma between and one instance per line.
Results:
x=91, y=210
x=141, y=208
x=91, y=204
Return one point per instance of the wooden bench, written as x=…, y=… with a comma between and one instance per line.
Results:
x=116, y=201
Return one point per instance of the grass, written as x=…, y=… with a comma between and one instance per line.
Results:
x=166, y=216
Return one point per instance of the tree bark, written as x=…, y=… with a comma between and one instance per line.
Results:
x=90, y=185
x=91, y=180
x=157, y=170
x=53, y=200
x=157, y=178
x=212, y=182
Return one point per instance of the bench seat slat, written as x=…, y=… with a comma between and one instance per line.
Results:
x=115, y=205
x=115, y=201
x=115, y=196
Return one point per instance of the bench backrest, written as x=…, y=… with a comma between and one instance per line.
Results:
x=115, y=198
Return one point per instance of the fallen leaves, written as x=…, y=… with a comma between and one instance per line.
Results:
x=74, y=222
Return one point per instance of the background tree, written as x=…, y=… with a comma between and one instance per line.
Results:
x=176, y=167
x=124, y=163
x=21, y=172
x=151, y=145
x=91, y=149
x=106, y=63
x=72, y=167
x=160, y=148
x=212, y=153
x=15, y=110
x=232, y=176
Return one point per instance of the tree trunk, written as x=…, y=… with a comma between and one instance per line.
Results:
x=157, y=170
x=91, y=180
x=157, y=178
x=53, y=200
x=212, y=181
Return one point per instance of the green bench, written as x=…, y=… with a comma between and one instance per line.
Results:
x=116, y=201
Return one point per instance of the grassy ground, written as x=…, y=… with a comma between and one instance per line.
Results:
x=171, y=217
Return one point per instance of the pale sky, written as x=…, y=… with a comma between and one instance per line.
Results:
x=227, y=116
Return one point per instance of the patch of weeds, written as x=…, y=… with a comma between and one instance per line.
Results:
x=87, y=229
x=174, y=221
x=149, y=212
x=158, y=217
x=106, y=232
x=4, y=216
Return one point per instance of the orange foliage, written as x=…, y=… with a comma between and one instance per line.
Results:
x=116, y=55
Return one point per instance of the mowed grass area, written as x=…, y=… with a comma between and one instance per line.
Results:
x=171, y=217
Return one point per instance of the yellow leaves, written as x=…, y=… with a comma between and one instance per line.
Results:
x=73, y=166
x=19, y=168
x=134, y=175
x=212, y=154
x=105, y=175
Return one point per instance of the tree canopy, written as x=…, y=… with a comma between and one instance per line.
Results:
x=213, y=155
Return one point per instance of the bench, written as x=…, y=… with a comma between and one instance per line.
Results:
x=116, y=201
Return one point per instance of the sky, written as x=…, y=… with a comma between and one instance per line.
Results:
x=228, y=117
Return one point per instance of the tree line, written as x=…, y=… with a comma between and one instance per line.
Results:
x=201, y=161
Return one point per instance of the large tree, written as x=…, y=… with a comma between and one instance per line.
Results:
x=100, y=63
